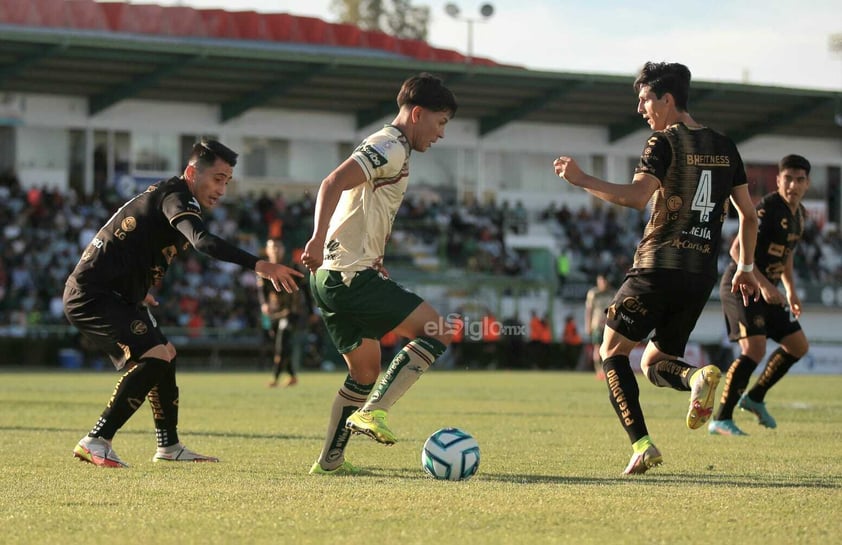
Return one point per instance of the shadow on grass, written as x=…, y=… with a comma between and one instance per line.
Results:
x=655, y=478
x=192, y=433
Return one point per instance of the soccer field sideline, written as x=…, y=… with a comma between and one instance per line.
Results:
x=552, y=453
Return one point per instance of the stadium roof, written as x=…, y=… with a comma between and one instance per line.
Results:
x=241, y=60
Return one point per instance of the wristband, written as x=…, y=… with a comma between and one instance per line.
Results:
x=745, y=268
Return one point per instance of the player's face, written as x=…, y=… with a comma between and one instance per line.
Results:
x=792, y=185
x=429, y=127
x=209, y=184
x=274, y=251
x=655, y=111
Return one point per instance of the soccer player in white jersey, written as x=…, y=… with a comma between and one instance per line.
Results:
x=355, y=210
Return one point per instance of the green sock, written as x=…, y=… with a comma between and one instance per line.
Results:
x=642, y=444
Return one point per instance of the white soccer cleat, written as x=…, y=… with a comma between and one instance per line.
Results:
x=703, y=396
x=180, y=453
x=641, y=462
x=97, y=451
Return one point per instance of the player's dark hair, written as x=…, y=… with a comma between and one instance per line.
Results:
x=795, y=162
x=666, y=77
x=205, y=153
x=427, y=91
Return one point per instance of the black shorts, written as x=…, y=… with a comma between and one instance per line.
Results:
x=123, y=331
x=666, y=301
x=758, y=318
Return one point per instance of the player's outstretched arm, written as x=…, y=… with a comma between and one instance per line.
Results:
x=193, y=229
x=281, y=276
x=634, y=195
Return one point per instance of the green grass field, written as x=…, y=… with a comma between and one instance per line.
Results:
x=552, y=457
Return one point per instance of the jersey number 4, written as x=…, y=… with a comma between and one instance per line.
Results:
x=701, y=200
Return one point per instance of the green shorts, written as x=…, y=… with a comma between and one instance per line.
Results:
x=367, y=309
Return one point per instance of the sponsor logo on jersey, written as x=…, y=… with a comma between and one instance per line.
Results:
x=703, y=160
x=674, y=203
x=331, y=249
x=157, y=274
x=633, y=304
x=138, y=328
x=374, y=155
x=777, y=250
x=128, y=224
x=690, y=245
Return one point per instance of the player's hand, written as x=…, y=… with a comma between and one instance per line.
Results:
x=567, y=168
x=746, y=284
x=149, y=301
x=794, y=304
x=772, y=295
x=313, y=255
x=281, y=276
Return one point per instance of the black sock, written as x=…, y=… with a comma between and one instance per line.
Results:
x=779, y=363
x=625, y=395
x=286, y=352
x=736, y=381
x=163, y=399
x=128, y=396
x=673, y=373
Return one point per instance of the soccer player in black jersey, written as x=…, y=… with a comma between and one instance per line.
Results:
x=774, y=316
x=686, y=173
x=107, y=296
x=282, y=314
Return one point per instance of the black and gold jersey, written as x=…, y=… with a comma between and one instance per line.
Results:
x=778, y=234
x=697, y=168
x=282, y=304
x=135, y=247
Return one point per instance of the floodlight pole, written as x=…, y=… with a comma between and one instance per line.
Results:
x=485, y=11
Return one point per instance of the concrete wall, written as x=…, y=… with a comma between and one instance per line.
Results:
x=515, y=158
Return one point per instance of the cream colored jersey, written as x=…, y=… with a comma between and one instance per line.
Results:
x=362, y=222
x=598, y=301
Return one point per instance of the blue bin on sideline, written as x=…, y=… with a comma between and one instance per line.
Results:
x=70, y=358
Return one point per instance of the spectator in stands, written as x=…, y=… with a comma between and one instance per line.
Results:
x=775, y=316
x=107, y=296
x=540, y=338
x=350, y=284
x=596, y=305
x=512, y=343
x=282, y=315
x=562, y=266
x=572, y=342
x=674, y=269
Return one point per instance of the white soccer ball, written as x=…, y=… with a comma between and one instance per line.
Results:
x=450, y=454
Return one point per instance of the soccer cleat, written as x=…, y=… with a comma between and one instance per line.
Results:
x=290, y=381
x=347, y=468
x=98, y=451
x=702, y=395
x=180, y=453
x=373, y=424
x=724, y=427
x=758, y=409
x=642, y=461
